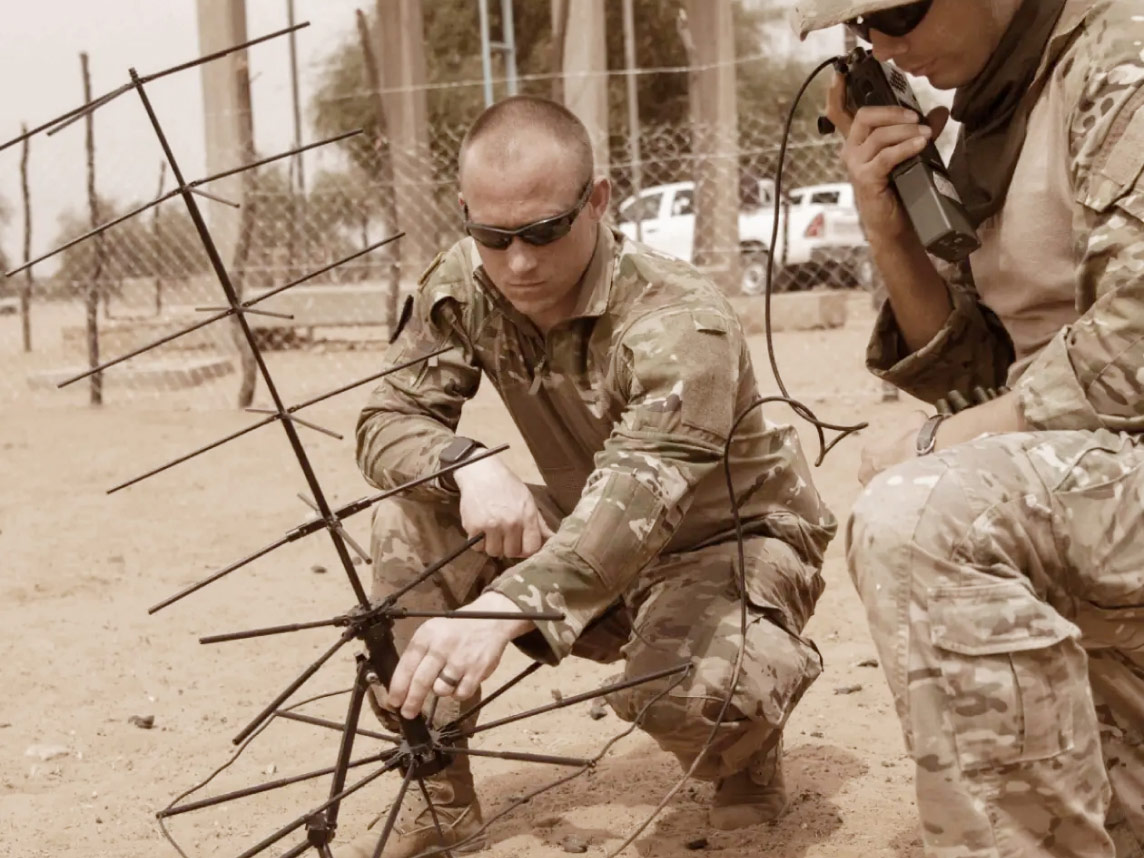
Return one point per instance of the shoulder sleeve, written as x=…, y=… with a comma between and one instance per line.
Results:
x=413, y=412
x=1092, y=374
x=972, y=349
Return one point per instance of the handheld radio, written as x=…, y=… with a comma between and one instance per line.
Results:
x=922, y=181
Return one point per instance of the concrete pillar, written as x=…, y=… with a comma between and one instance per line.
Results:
x=401, y=52
x=714, y=135
x=585, y=81
x=227, y=117
x=229, y=124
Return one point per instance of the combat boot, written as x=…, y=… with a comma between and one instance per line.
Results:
x=752, y=796
x=458, y=813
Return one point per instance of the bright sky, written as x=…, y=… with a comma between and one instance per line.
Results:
x=40, y=68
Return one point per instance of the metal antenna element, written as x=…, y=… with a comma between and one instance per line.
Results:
x=329, y=522
x=419, y=750
x=292, y=409
x=362, y=554
x=235, y=304
x=62, y=121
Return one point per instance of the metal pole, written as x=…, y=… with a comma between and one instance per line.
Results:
x=297, y=164
x=301, y=170
x=26, y=288
x=634, y=154
x=91, y=298
x=160, y=255
x=486, y=52
x=508, y=33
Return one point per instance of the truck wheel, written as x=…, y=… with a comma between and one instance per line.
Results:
x=754, y=277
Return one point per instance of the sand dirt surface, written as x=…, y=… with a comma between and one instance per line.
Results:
x=80, y=656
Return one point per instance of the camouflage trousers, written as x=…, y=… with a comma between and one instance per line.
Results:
x=1004, y=584
x=683, y=608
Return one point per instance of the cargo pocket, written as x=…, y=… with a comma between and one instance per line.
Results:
x=1004, y=658
x=779, y=664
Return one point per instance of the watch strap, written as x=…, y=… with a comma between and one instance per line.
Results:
x=927, y=435
x=457, y=450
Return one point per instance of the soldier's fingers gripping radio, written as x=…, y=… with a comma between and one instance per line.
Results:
x=922, y=181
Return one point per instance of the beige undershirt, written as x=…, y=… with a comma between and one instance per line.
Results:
x=1026, y=268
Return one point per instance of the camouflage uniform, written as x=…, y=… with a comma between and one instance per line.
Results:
x=1004, y=578
x=625, y=409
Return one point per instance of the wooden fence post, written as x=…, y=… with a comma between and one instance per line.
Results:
x=91, y=295
x=26, y=286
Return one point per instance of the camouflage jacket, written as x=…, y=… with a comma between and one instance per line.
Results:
x=625, y=407
x=1088, y=372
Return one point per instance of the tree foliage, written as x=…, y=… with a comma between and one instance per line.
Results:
x=134, y=248
x=338, y=216
x=454, y=71
x=295, y=234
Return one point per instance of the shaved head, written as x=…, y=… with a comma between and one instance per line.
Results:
x=522, y=123
x=526, y=161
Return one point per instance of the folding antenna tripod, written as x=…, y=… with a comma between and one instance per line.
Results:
x=420, y=750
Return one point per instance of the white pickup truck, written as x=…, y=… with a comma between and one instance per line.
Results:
x=826, y=239
x=819, y=240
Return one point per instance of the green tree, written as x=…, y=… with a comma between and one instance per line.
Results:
x=345, y=202
x=451, y=31
x=134, y=248
x=766, y=86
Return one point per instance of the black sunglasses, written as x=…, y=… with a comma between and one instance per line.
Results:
x=896, y=21
x=537, y=233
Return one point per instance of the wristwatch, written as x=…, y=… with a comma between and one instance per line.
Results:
x=927, y=435
x=457, y=450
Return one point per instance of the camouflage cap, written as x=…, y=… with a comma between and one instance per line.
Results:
x=819, y=14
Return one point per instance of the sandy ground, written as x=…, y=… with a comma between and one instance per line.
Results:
x=79, y=654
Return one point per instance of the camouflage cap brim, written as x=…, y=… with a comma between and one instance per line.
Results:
x=818, y=14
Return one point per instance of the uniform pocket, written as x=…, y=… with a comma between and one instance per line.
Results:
x=1097, y=511
x=1007, y=660
x=1117, y=170
x=778, y=580
x=615, y=532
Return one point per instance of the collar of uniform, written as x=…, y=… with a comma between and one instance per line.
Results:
x=1071, y=20
x=596, y=285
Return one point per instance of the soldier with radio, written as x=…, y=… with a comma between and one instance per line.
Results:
x=1000, y=551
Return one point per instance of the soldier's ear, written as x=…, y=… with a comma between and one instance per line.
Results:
x=460, y=200
x=600, y=197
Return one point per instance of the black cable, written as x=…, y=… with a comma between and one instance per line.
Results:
x=802, y=411
x=230, y=761
x=799, y=409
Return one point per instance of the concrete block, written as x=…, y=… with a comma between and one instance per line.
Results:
x=793, y=311
x=119, y=336
x=175, y=374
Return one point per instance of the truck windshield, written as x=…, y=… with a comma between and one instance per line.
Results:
x=644, y=208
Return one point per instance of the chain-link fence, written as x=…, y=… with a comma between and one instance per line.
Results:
x=149, y=276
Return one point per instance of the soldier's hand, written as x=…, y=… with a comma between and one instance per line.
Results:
x=878, y=139
x=891, y=449
x=496, y=502
x=452, y=656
